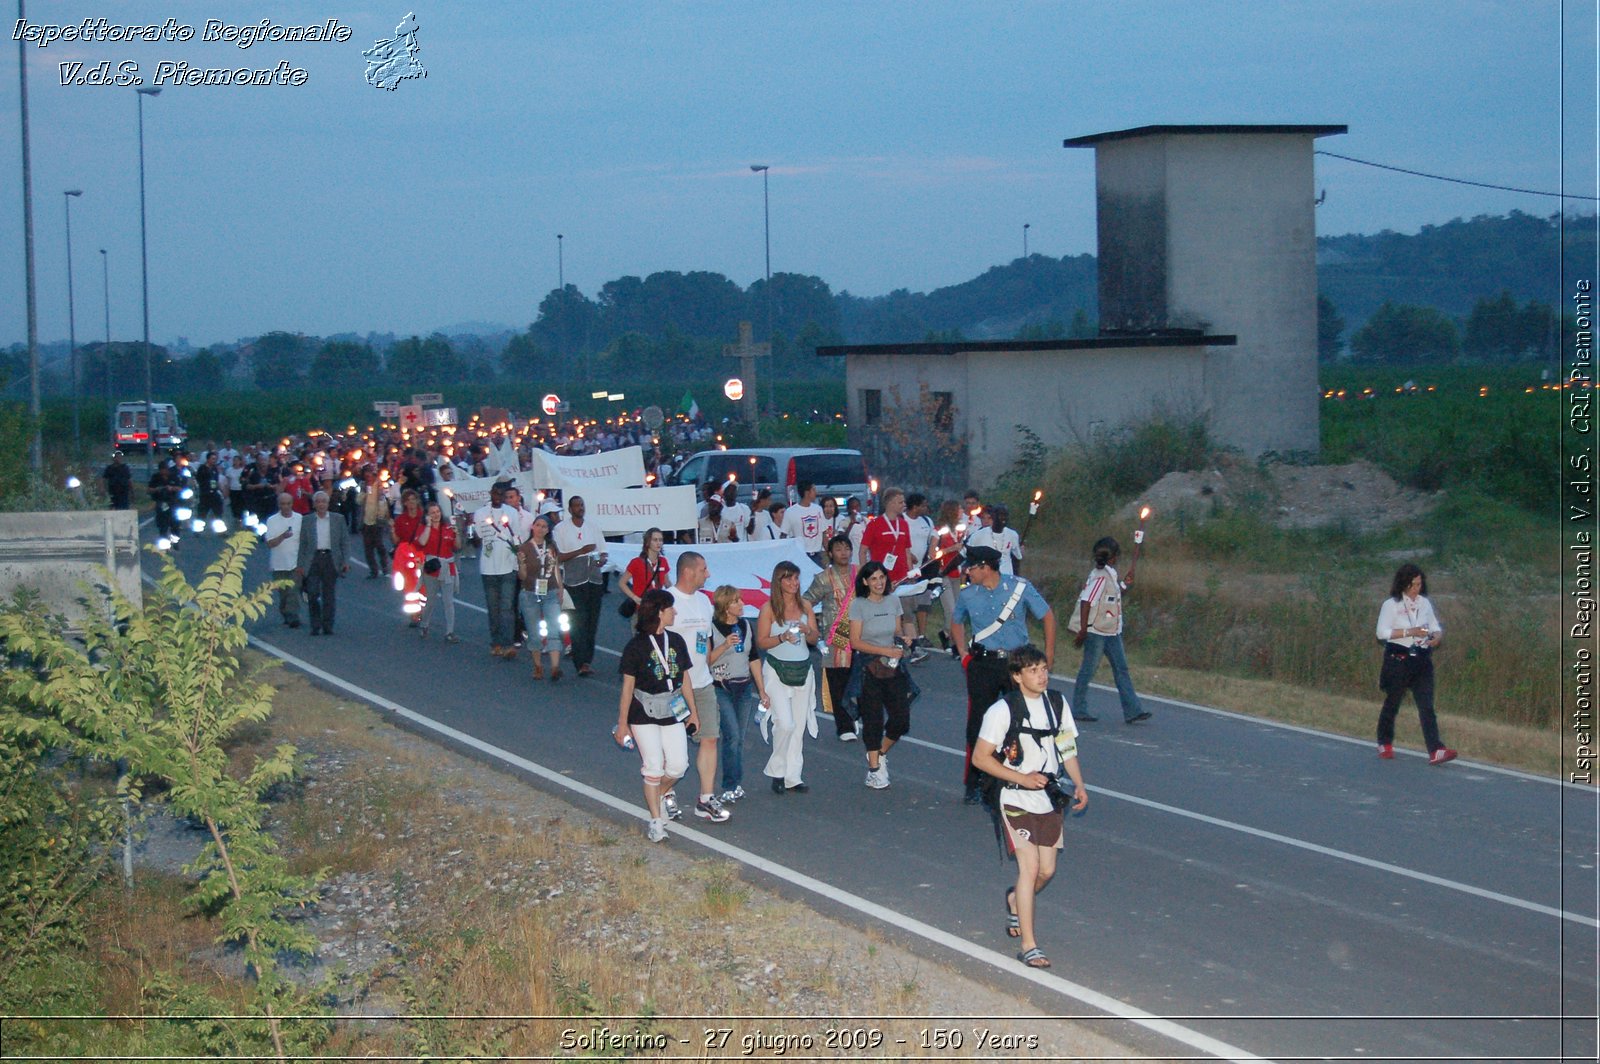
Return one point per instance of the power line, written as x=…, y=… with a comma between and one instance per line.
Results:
x=1455, y=180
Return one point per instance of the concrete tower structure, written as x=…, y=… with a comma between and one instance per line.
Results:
x=1212, y=229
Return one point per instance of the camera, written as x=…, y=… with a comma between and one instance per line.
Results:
x=1060, y=791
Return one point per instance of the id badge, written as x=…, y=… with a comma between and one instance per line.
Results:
x=541, y=587
x=889, y=560
x=700, y=643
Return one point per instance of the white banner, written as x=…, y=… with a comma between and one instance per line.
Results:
x=615, y=511
x=470, y=493
x=747, y=566
x=622, y=468
x=618, y=511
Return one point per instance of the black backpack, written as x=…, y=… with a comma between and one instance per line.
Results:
x=1055, y=705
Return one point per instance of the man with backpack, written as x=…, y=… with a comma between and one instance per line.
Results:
x=990, y=621
x=1026, y=743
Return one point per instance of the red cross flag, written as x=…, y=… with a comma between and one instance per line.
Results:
x=411, y=417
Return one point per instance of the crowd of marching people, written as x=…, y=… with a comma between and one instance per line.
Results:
x=697, y=673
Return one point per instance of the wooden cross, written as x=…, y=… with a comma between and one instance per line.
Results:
x=747, y=353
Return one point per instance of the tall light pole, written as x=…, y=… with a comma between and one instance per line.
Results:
x=105, y=355
x=1025, y=226
x=561, y=266
x=144, y=284
x=72, y=324
x=35, y=445
x=766, y=225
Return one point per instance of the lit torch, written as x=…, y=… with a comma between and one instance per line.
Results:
x=1033, y=511
x=1138, y=539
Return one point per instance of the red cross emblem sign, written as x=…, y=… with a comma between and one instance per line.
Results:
x=411, y=417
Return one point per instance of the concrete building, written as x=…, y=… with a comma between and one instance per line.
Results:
x=1207, y=289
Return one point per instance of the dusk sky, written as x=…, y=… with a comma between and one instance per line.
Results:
x=908, y=143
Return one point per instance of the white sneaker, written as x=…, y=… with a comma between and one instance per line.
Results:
x=729, y=797
x=877, y=778
x=657, y=831
x=669, y=806
x=848, y=737
x=883, y=768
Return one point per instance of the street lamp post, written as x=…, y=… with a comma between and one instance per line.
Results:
x=105, y=355
x=36, y=444
x=766, y=226
x=144, y=284
x=1025, y=227
x=72, y=324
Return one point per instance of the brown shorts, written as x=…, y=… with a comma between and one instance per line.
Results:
x=1038, y=829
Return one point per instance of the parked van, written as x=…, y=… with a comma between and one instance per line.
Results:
x=129, y=431
x=838, y=471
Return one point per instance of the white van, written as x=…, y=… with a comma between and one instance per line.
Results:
x=835, y=471
x=130, y=431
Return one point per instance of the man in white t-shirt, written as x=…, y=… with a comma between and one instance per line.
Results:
x=1044, y=748
x=692, y=619
x=1001, y=537
x=580, y=548
x=283, y=538
x=915, y=608
x=500, y=529
x=804, y=521
x=735, y=513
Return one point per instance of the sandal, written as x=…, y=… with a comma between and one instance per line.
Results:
x=1034, y=958
x=1013, y=923
x=538, y=668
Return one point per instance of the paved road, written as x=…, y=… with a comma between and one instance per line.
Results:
x=1278, y=891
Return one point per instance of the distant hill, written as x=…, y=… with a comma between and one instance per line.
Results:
x=475, y=328
x=1451, y=266
x=995, y=305
x=1448, y=267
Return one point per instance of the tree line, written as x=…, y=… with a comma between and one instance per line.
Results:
x=1469, y=290
x=1497, y=330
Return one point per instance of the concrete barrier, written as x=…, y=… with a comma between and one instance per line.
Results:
x=64, y=558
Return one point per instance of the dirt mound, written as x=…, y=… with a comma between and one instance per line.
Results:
x=1358, y=495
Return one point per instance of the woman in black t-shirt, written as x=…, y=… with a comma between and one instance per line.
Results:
x=652, y=668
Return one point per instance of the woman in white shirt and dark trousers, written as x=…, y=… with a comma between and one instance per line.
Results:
x=1409, y=630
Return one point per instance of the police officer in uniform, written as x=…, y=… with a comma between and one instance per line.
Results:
x=991, y=620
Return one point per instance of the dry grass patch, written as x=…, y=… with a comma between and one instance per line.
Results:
x=1529, y=749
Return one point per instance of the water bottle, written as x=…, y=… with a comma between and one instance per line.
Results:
x=626, y=743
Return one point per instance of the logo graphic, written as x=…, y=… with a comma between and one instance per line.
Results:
x=393, y=61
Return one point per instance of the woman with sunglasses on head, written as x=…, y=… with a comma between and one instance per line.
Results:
x=785, y=631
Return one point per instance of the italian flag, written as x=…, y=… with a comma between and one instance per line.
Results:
x=689, y=406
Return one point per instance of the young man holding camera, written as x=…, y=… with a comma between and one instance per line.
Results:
x=1028, y=751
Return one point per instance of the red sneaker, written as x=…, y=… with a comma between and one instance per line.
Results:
x=1441, y=755
x=1386, y=751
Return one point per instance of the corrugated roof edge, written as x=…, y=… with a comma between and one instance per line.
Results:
x=963, y=347
x=1158, y=131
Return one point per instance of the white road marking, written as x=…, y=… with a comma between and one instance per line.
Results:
x=1272, y=836
x=1326, y=851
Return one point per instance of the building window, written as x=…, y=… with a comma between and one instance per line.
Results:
x=871, y=406
x=943, y=410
